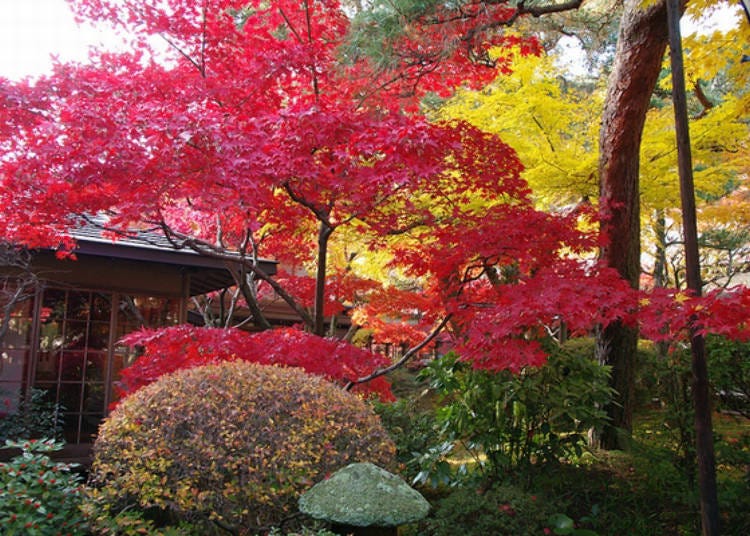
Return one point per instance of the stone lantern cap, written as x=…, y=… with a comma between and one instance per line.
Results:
x=364, y=495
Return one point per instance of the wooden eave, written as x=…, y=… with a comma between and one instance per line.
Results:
x=206, y=273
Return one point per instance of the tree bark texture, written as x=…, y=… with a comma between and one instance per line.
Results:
x=640, y=50
x=324, y=234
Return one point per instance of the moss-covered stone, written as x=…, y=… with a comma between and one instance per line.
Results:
x=364, y=495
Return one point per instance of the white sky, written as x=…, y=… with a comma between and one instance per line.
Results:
x=31, y=30
x=722, y=18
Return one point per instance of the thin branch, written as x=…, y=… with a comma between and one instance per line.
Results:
x=184, y=54
x=291, y=26
x=702, y=98
x=180, y=241
x=204, y=26
x=403, y=360
x=313, y=71
x=544, y=132
x=319, y=212
x=16, y=287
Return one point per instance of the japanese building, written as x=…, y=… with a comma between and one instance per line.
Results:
x=63, y=338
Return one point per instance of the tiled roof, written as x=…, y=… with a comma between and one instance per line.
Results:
x=93, y=229
x=149, y=246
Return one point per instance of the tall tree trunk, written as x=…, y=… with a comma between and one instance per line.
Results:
x=704, y=446
x=638, y=58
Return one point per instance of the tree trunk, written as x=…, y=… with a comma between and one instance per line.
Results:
x=704, y=447
x=324, y=233
x=638, y=58
x=661, y=274
x=661, y=278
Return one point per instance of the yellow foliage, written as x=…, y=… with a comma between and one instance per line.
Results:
x=719, y=151
x=553, y=126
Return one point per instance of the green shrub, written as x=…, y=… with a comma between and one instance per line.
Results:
x=35, y=418
x=39, y=497
x=231, y=444
x=511, y=422
x=729, y=370
x=413, y=430
x=502, y=510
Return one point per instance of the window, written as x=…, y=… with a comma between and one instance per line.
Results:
x=74, y=355
x=15, y=352
x=72, y=365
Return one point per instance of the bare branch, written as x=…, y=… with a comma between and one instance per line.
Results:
x=180, y=241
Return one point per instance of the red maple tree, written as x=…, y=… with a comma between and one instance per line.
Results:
x=170, y=349
x=258, y=132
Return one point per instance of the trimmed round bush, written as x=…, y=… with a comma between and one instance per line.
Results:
x=233, y=444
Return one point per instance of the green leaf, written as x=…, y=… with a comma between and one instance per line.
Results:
x=561, y=524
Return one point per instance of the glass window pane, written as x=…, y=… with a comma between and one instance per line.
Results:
x=96, y=366
x=101, y=307
x=93, y=399
x=78, y=306
x=14, y=355
x=89, y=428
x=12, y=366
x=71, y=427
x=73, y=364
x=48, y=366
x=75, y=335
x=53, y=306
x=98, y=336
x=18, y=334
x=70, y=397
